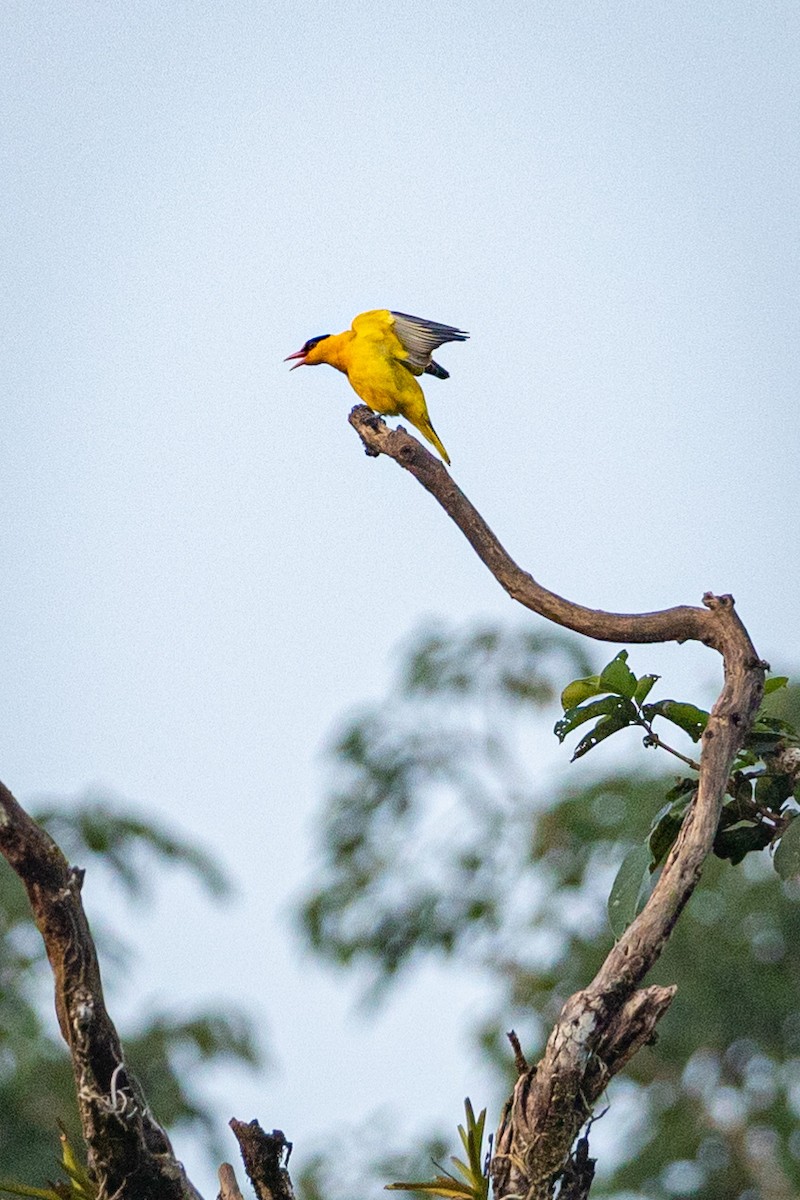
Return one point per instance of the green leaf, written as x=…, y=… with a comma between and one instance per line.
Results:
x=682, y=788
x=574, y=717
x=741, y=839
x=772, y=791
x=775, y=684
x=745, y=758
x=628, y=889
x=618, y=678
x=461, y=1167
x=644, y=686
x=21, y=1189
x=763, y=741
x=666, y=828
x=83, y=1186
x=472, y=1141
x=775, y=723
x=742, y=789
x=440, y=1185
x=623, y=715
x=787, y=855
x=688, y=717
x=769, y=735
x=579, y=690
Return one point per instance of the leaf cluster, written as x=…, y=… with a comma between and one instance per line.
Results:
x=762, y=791
x=473, y=1183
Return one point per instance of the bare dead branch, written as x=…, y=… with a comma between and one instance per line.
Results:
x=670, y=625
x=602, y=1026
x=228, y=1187
x=129, y=1154
x=630, y=1029
x=265, y=1156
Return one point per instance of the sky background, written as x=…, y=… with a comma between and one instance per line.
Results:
x=203, y=572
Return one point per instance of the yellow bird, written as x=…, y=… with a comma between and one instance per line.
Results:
x=381, y=355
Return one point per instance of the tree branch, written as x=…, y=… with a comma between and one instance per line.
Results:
x=670, y=625
x=603, y=1025
x=129, y=1154
x=265, y=1157
x=228, y=1187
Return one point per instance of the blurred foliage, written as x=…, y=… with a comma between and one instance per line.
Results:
x=430, y=808
x=366, y=1156
x=438, y=840
x=164, y=1051
x=128, y=845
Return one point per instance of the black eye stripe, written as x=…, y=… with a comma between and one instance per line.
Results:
x=313, y=341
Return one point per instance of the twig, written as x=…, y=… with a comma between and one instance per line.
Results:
x=520, y=1061
x=653, y=739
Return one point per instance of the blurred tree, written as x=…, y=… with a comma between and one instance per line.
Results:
x=437, y=841
x=36, y=1082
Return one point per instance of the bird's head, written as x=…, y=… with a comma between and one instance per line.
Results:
x=310, y=354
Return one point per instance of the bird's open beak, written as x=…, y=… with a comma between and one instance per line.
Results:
x=301, y=354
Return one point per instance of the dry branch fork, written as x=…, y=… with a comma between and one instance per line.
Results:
x=130, y=1156
x=602, y=1026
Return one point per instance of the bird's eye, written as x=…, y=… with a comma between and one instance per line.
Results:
x=311, y=343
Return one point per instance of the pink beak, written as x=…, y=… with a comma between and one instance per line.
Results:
x=301, y=354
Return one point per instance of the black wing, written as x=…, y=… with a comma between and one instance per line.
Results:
x=421, y=337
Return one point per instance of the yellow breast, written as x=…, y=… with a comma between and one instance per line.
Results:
x=378, y=378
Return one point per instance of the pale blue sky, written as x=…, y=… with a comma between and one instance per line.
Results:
x=202, y=570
